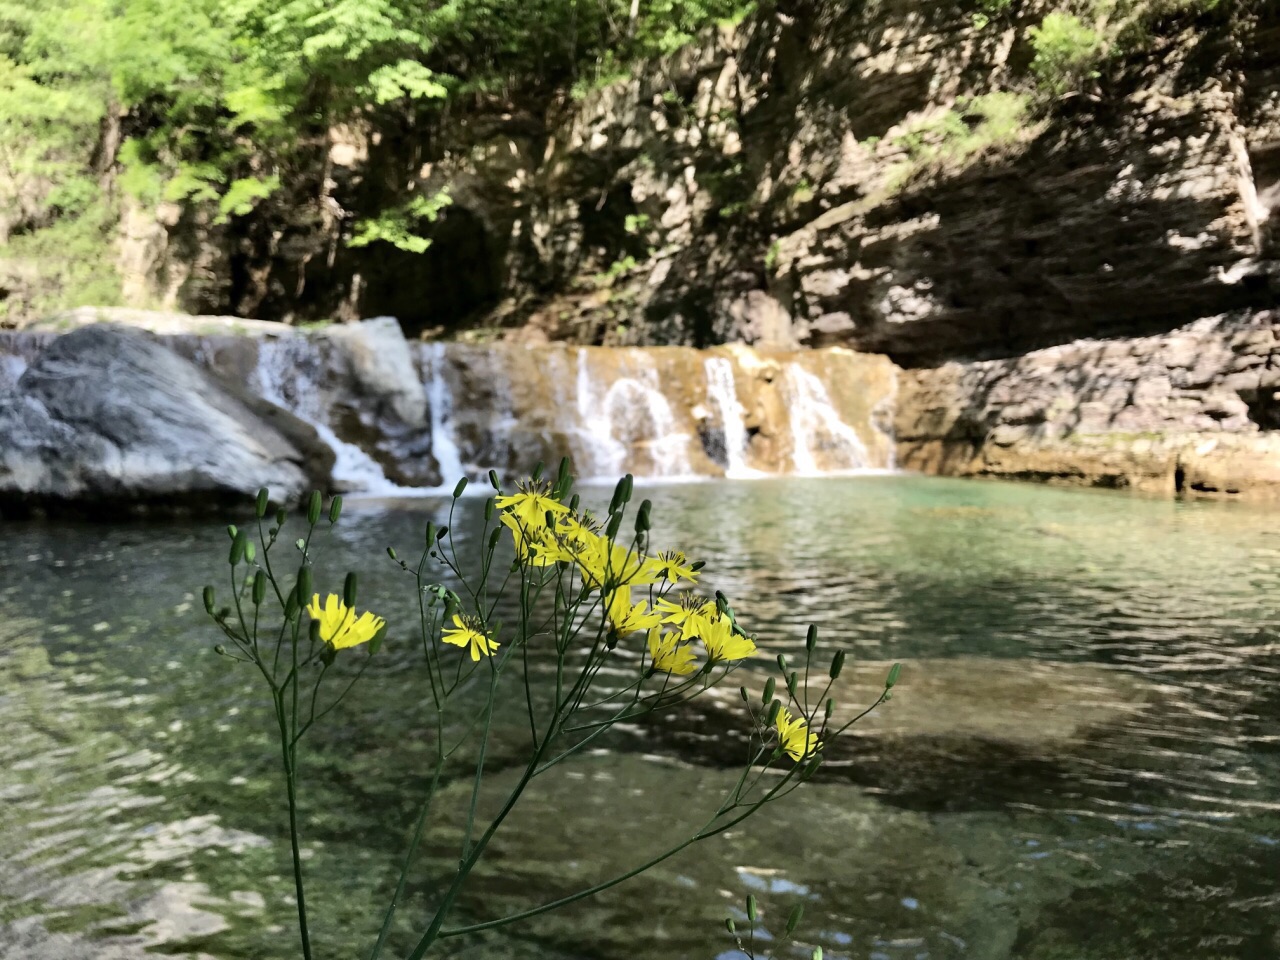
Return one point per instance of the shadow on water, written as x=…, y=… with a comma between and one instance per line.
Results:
x=1080, y=760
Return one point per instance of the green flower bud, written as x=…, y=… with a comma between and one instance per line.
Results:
x=232, y=530
x=313, y=508
x=259, y=587
x=489, y=507
x=893, y=676
x=811, y=640
x=697, y=565
x=752, y=913
x=237, y=549
x=563, y=473
x=493, y=480
x=261, y=505
x=272, y=531
x=209, y=598
x=291, y=605
x=792, y=680
x=573, y=502
x=771, y=715
x=375, y=642
x=431, y=534
x=742, y=692
x=281, y=517
x=220, y=650
x=642, y=516
x=830, y=708
x=349, y=590
x=793, y=920
x=837, y=664
x=250, y=551
x=223, y=613
x=335, y=509
x=494, y=534
x=391, y=552
x=769, y=686
x=615, y=523
x=459, y=487
x=817, y=954
x=782, y=663
x=731, y=926
x=303, y=587
x=549, y=519
x=537, y=471
x=441, y=534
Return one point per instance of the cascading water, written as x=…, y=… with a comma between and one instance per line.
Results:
x=723, y=392
x=288, y=375
x=816, y=429
x=444, y=445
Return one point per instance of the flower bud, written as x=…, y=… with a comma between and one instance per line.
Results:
x=281, y=517
x=697, y=565
x=742, y=692
x=893, y=676
x=811, y=640
x=261, y=505
x=752, y=913
x=549, y=519
x=642, y=516
x=837, y=664
x=349, y=590
x=391, y=552
x=494, y=534
x=769, y=686
x=573, y=503
x=615, y=523
x=335, y=509
x=250, y=551
x=537, y=471
x=431, y=534
x=792, y=679
x=731, y=926
x=237, y=549
x=489, y=506
x=817, y=954
x=441, y=534
x=771, y=715
x=621, y=494
x=232, y=530
x=829, y=709
x=259, y=587
x=301, y=545
x=782, y=663
x=493, y=480
x=375, y=643
x=303, y=587
x=793, y=920
x=220, y=650
x=272, y=531
x=209, y=598
x=563, y=473
x=313, y=508
x=291, y=605
x=459, y=487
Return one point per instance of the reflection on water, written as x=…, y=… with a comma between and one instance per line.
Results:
x=1081, y=760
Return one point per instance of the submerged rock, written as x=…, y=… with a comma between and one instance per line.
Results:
x=110, y=417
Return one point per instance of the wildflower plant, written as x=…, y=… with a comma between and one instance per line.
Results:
x=576, y=591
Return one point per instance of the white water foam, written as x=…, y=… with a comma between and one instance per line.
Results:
x=723, y=392
x=444, y=444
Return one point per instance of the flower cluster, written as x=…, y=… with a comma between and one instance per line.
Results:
x=636, y=591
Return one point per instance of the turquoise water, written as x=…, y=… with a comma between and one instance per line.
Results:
x=1081, y=760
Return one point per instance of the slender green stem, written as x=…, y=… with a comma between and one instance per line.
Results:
x=290, y=775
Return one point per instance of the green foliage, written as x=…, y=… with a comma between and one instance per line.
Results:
x=1067, y=52
x=975, y=124
x=400, y=226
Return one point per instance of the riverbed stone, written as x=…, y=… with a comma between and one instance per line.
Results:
x=109, y=418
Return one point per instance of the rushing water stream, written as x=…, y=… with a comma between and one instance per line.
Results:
x=1080, y=762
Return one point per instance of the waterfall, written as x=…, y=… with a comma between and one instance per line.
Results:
x=444, y=444
x=627, y=424
x=11, y=369
x=288, y=375
x=816, y=429
x=723, y=392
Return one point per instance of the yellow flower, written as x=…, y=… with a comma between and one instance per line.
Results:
x=627, y=619
x=467, y=631
x=605, y=562
x=339, y=625
x=723, y=644
x=536, y=546
x=669, y=655
x=531, y=504
x=794, y=735
x=692, y=614
x=673, y=566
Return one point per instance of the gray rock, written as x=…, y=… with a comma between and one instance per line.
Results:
x=109, y=416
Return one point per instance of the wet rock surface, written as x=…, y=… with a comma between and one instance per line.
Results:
x=112, y=420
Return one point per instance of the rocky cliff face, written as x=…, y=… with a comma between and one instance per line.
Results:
x=868, y=176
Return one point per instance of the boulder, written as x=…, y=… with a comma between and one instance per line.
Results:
x=110, y=417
